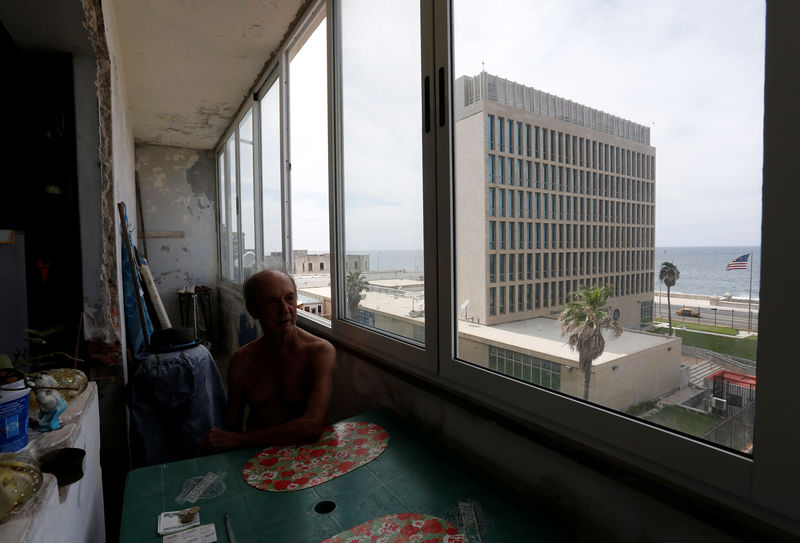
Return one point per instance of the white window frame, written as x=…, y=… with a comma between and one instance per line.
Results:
x=763, y=485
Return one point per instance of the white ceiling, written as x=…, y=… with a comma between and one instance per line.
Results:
x=187, y=64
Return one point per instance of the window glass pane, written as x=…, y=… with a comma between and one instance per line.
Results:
x=248, y=237
x=382, y=164
x=271, y=177
x=232, y=271
x=594, y=212
x=308, y=119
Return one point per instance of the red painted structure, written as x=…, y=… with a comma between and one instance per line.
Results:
x=733, y=378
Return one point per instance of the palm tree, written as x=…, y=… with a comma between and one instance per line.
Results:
x=669, y=274
x=355, y=284
x=585, y=320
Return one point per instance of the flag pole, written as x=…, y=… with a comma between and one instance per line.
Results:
x=750, y=297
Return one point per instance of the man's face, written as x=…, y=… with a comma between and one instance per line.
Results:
x=277, y=303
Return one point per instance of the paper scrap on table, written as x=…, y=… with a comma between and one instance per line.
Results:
x=170, y=522
x=206, y=533
x=194, y=493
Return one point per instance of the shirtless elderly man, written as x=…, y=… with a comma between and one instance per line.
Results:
x=284, y=377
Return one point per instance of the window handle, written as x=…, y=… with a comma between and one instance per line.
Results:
x=427, y=104
x=441, y=96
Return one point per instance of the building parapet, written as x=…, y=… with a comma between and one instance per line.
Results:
x=485, y=86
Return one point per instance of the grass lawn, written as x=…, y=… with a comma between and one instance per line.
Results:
x=687, y=421
x=741, y=347
x=703, y=327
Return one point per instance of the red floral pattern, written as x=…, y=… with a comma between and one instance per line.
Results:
x=340, y=449
x=401, y=528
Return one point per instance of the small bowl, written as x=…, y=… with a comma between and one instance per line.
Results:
x=66, y=464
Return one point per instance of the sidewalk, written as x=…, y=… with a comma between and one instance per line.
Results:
x=694, y=301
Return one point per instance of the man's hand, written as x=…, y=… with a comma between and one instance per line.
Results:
x=219, y=440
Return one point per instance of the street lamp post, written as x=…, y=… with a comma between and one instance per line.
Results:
x=714, y=309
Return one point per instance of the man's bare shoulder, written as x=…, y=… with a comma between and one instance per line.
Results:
x=243, y=356
x=318, y=349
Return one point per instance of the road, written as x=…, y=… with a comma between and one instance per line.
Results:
x=720, y=316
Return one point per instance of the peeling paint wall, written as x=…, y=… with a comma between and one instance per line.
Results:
x=102, y=312
x=117, y=163
x=178, y=195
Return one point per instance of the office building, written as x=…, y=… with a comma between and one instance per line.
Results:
x=568, y=199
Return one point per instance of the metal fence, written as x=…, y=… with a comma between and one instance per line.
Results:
x=735, y=432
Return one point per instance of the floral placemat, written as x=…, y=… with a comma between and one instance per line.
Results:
x=340, y=449
x=401, y=528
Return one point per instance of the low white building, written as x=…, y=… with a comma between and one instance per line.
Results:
x=635, y=367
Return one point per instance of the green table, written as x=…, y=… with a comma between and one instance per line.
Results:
x=415, y=474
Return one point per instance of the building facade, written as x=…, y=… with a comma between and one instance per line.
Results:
x=566, y=194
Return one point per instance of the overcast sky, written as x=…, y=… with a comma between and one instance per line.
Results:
x=690, y=70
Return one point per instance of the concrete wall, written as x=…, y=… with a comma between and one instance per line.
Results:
x=88, y=167
x=177, y=188
x=633, y=379
x=472, y=239
x=619, y=384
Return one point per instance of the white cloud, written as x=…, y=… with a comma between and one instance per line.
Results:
x=691, y=71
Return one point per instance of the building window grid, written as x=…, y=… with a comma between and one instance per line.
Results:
x=490, y=131
x=528, y=368
x=500, y=130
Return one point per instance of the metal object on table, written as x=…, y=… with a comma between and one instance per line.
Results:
x=229, y=529
x=195, y=309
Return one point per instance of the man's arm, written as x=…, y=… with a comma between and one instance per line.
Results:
x=217, y=439
x=237, y=371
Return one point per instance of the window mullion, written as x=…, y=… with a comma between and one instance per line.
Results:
x=439, y=195
x=258, y=212
x=238, y=203
x=335, y=162
x=286, y=215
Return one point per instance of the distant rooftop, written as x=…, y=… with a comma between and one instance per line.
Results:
x=496, y=89
x=537, y=335
x=397, y=283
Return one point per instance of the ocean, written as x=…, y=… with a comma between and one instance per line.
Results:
x=702, y=268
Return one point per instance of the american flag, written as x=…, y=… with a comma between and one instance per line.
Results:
x=738, y=263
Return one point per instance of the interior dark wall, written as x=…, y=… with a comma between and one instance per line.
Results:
x=40, y=192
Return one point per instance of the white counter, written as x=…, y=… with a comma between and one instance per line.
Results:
x=72, y=513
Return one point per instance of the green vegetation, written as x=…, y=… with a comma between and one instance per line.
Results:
x=639, y=408
x=584, y=320
x=685, y=420
x=741, y=347
x=354, y=285
x=669, y=274
x=706, y=328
